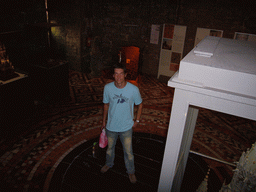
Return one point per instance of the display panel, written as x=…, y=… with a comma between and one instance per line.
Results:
x=201, y=33
x=172, y=46
x=245, y=36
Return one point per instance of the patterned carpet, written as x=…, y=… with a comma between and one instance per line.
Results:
x=28, y=161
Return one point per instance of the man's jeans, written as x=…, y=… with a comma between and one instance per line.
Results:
x=126, y=140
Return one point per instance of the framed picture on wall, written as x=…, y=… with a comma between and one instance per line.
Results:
x=169, y=31
x=245, y=36
x=201, y=33
x=176, y=57
x=167, y=44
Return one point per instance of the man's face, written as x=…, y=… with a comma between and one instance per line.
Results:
x=119, y=75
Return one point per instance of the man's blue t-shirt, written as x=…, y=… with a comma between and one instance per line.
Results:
x=121, y=105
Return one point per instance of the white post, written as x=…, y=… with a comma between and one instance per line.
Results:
x=174, y=139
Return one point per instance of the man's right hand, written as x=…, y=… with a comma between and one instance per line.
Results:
x=105, y=113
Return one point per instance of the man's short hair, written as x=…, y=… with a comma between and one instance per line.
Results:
x=119, y=66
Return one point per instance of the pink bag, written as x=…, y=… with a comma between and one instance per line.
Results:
x=103, y=139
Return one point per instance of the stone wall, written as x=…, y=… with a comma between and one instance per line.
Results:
x=115, y=24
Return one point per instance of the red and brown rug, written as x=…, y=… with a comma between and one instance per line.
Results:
x=28, y=161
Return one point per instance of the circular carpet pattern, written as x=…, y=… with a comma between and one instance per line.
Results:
x=29, y=161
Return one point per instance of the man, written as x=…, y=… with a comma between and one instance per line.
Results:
x=119, y=98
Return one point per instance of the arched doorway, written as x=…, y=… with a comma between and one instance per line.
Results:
x=131, y=56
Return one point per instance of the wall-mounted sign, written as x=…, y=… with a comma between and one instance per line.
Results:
x=154, y=36
x=172, y=46
x=201, y=33
x=245, y=36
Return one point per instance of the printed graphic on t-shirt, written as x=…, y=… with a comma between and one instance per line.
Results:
x=120, y=98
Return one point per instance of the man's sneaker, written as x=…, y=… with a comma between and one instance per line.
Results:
x=132, y=178
x=104, y=169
